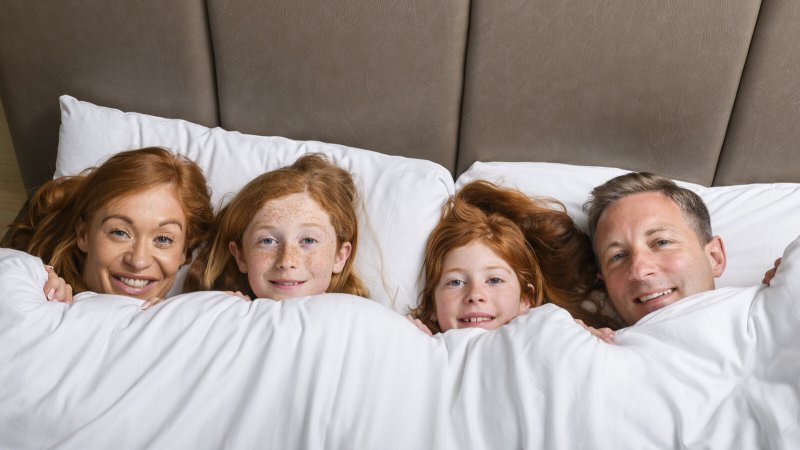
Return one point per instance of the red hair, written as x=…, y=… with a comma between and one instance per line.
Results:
x=330, y=186
x=48, y=228
x=536, y=237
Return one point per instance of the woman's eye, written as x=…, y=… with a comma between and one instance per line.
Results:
x=119, y=233
x=164, y=240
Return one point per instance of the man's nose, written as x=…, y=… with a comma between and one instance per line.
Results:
x=642, y=265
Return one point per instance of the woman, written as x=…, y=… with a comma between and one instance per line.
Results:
x=124, y=227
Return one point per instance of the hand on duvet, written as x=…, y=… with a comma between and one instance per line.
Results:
x=56, y=288
x=604, y=334
x=770, y=274
x=418, y=323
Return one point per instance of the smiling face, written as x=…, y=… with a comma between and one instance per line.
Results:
x=135, y=245
x=477, y=289
x=289, y=249
x=650, y=257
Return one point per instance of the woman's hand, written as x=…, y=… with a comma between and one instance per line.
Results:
x=418, y=323
x=56, y=288
x=604, y=334
x=150, y=302
x=770, y=274
x=239, y=294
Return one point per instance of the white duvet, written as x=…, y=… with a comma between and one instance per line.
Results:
x=206, y=370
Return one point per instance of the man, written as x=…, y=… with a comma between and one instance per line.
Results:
x=653, y=243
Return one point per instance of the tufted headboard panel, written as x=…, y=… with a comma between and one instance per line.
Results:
x=700, y=91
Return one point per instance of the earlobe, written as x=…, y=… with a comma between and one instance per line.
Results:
x=715, y=250
x=240, y=262
x=341, y=257
x=526, y=300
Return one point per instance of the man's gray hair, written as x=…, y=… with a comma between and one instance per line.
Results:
x=691, y=205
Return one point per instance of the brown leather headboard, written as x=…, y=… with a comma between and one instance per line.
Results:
x=706, y=92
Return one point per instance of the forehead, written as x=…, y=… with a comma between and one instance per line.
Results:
x=297, y=208
x=475, y=255
x=640, y=212
x=158, y=201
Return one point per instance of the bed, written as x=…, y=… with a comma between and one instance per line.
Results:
x=414, y=98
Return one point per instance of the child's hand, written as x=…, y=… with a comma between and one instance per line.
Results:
x=604, y=334
x=418, y=323
x=56, y=288
x=239, y=294
x=770, y=274
x=150, y=302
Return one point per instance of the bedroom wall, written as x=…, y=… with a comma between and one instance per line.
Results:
x=12, y=192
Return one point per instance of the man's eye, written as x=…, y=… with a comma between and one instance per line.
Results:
x=662, y=242
x=616, y=257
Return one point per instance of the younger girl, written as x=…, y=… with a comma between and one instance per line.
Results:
x=496, y=253
x=288, y=233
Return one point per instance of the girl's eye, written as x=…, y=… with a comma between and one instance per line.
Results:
x=308, y=241
x=268, y=241
x=495, y=280
x=454, y=283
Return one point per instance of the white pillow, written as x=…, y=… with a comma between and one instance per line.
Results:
x=756, y=221
x=402, y=196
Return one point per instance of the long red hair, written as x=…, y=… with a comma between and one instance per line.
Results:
x=536, y=237
x=48, y=228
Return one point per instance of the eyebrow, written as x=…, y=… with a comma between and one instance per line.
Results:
x=130, y=221
x=647, y=233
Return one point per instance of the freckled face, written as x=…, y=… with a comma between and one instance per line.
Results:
x=289, y=249
x=650, y=257
x=477, y=289
x=135, y=245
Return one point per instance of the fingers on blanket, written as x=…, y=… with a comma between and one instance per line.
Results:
x=604, y=334
x=56, y=288
x=418, y=323
x=150, y=302
x=770, y=274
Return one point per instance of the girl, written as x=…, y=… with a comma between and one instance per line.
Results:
x=124, y=227
x=288, y=233
x=497, y=253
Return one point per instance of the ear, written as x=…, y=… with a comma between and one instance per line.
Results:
x=81, y=240
x=715, y=251
x=238, y=256
x=341, y=257
x=526, y=299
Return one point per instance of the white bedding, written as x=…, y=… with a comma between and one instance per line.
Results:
x=205, y=370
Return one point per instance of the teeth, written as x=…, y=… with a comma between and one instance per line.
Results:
x=287, y=283
x=647, y=298
x=477, y=319
x=133, y=282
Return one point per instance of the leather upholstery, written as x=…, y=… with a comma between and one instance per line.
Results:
x=700, y=91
